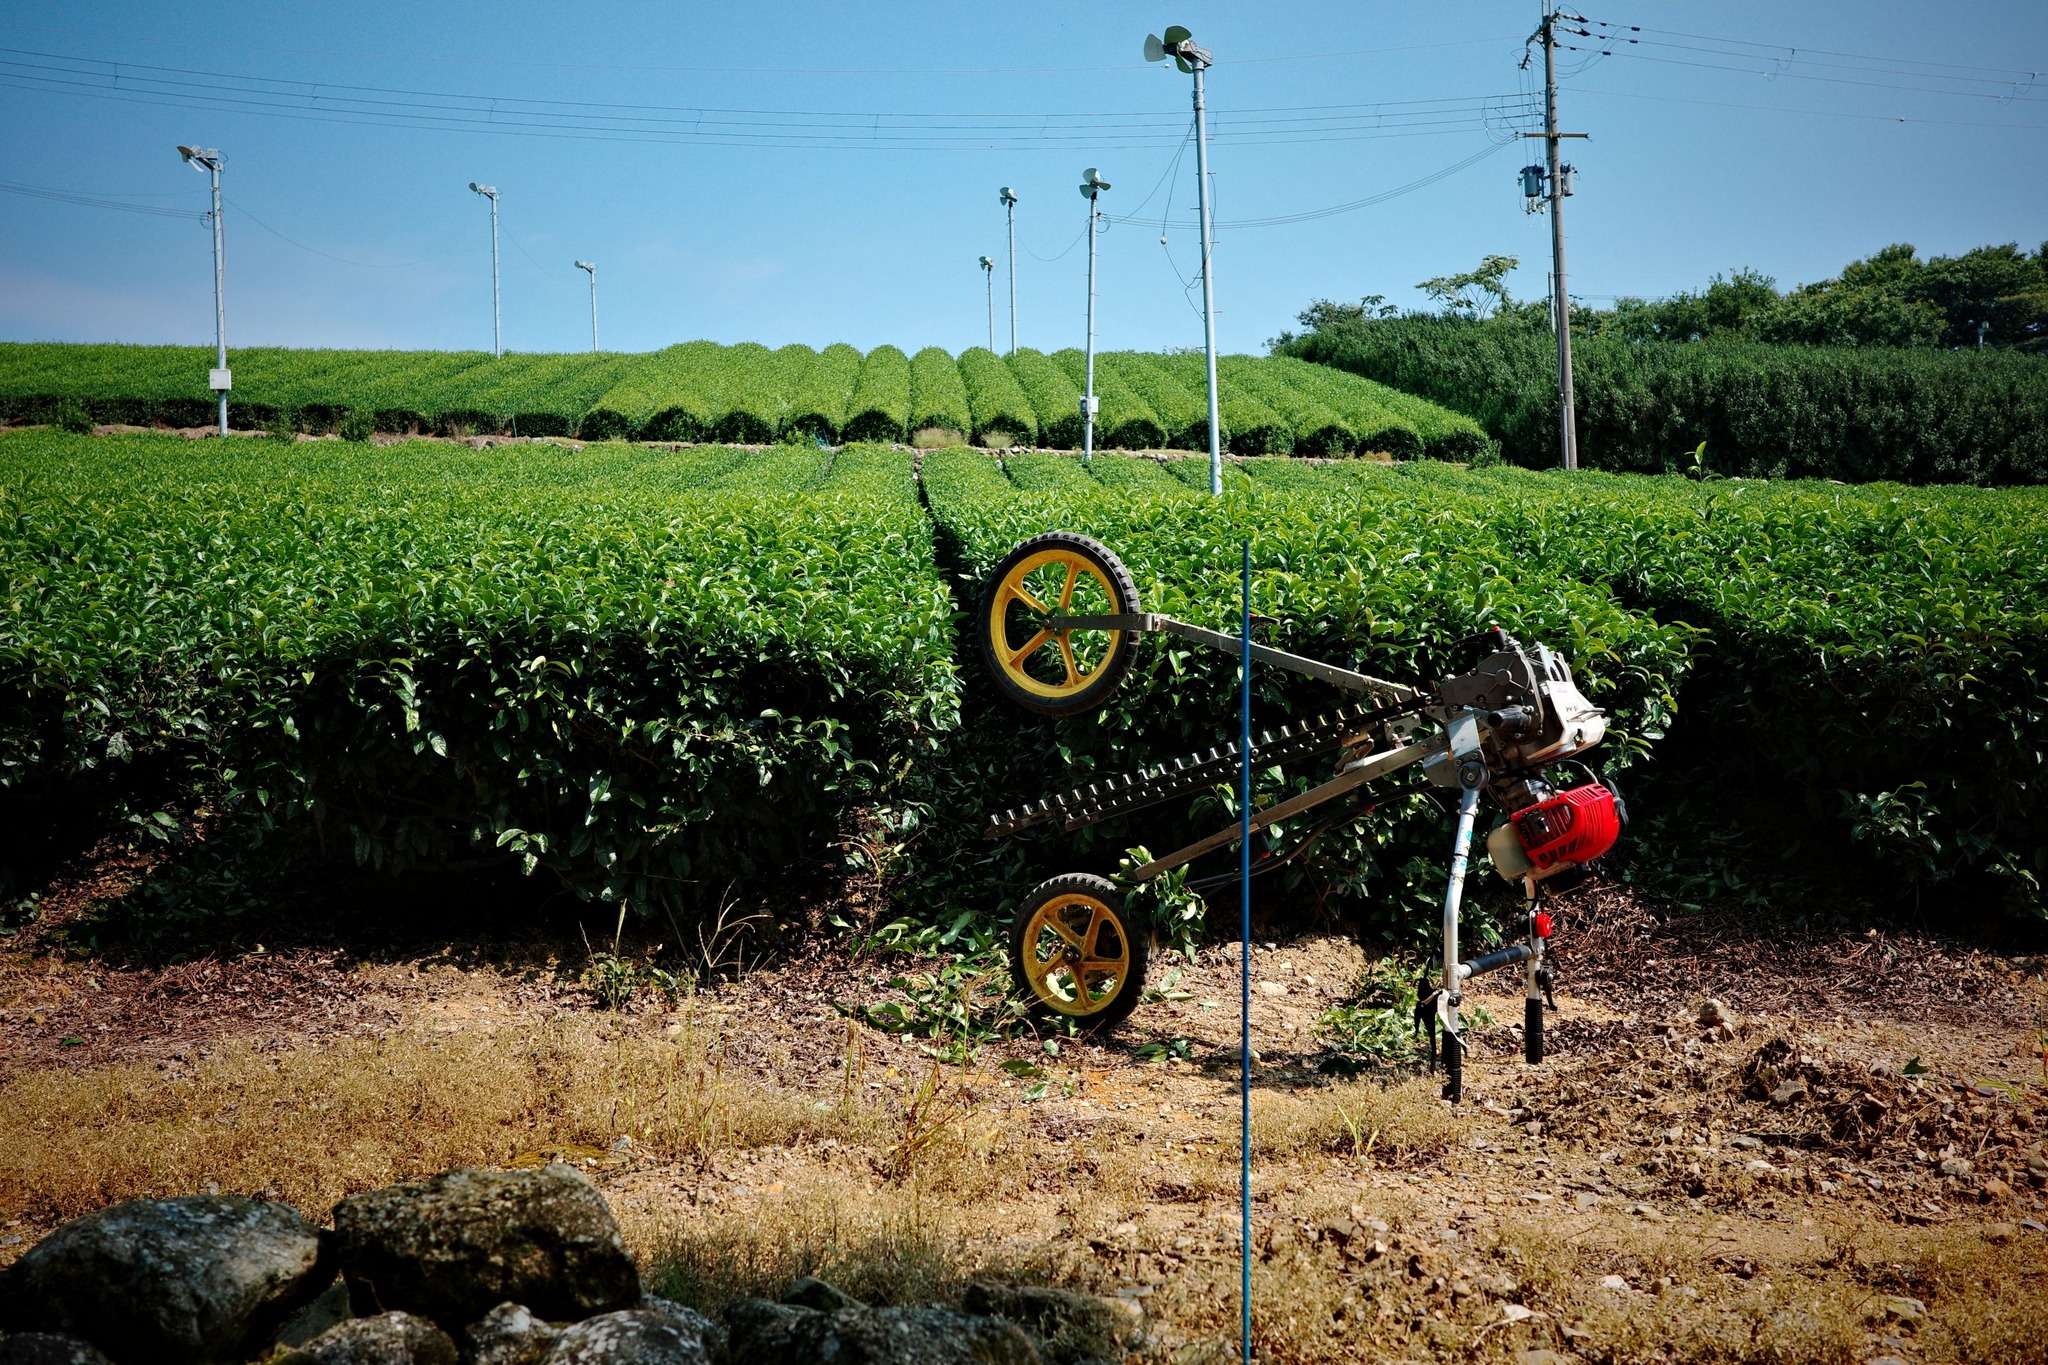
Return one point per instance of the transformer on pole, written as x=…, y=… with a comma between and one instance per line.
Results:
x=219, y=379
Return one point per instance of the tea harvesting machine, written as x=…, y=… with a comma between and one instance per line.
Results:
x=1059, y=623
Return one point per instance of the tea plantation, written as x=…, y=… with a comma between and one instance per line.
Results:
x=668, y=678
x=748, y=394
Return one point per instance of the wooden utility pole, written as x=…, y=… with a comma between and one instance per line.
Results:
x=1556, y=190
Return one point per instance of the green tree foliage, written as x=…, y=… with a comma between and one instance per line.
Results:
x=1774, y=411
x=1474, y=293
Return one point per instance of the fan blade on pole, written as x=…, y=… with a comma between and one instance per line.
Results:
x=1176, y=35
x=1155, y=51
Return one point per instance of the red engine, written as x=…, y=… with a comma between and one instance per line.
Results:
x=1572, y=827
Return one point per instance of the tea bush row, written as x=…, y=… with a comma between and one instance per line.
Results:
x=744, y=394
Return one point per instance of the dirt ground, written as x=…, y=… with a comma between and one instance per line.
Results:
x=1842, y=1161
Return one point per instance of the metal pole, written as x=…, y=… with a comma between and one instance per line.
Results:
x=1088, y=397
x=1208, y=286
x=497, y=347
x=1244, y=949
x=220, y=282
x=1567, y=422
x=1012, y=207
x=989, y=274
x=593, y=310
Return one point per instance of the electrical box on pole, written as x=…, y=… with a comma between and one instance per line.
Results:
x=1547, y=186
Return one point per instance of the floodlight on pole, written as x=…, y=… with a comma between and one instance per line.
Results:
x=208, y=161
x=490, y=192
x=1092, y=186
x=1179, y=44
x=1008, y=198
x=591, y=268
x=988, y=270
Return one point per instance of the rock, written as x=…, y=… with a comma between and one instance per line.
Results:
x=1515, y=1312
x=1541, y=1356
x=1272, y=988
x=1788, y=1092
x=1995, y=1189
x=1745, y=1143
x=1901, y=1308
x=168, y=1281
x=510, y=1335
x=386, y=1339
x=1956, y=1165
x=47, y=1348
x=811, y=1292
x=1068, y=1326
x=329, y=1308
x=1714, y=1013
x=459, y=1245
x=778, y=1334
x=1613, y=1282
x=709, y=1332
x=1644, y=1211
x=2001, y=1233
x=1721, y=1033
x=635, y=1337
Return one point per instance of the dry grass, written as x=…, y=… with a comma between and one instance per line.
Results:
x=1359, y=1118
x=313, y=1124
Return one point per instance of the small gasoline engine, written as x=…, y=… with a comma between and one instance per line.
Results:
x=1058, y=623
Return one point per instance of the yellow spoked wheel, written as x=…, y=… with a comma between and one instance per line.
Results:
x=1076, y=952
x=1056, y=672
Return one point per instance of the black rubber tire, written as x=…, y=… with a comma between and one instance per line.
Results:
x=1104, y=682
x=1136, y=933
x=1532, y=1031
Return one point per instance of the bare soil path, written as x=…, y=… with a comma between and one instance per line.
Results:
x=1849, y=1166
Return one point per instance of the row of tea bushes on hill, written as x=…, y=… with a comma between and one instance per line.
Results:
x=748, y=394
x=1769, y=411
x=655, y=674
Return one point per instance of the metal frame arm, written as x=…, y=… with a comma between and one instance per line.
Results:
x=1151, y=622
x=1378, y=765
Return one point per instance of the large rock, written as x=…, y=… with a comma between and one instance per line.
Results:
x=168, y=1281
x=459, y=1245
x=510, y=1335
x=386, y=1339
x=779, y=1334
x=638, y=1337
x=690, y=1320
x=47, y=1348
x=1070, y=1327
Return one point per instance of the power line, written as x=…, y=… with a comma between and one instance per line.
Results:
x=612, y=121
x=424, y=58
x=99, y=201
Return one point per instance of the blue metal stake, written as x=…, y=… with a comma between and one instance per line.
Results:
x=1244, y=949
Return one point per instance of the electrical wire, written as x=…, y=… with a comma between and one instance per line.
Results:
x=328, y=255
x=211, y=45
x=1778, y=59
x=99, y=201
x=613, y=121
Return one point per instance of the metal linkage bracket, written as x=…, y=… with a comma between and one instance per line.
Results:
x=1151, y=622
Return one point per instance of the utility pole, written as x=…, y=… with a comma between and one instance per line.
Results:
x=1200, y=61
x=220, y=380
x=591, y=268
x=1179, y=44
x=1092, y=185
x=490, y=192
x=988, y=270
x=1009, y=202
x=1558, y=185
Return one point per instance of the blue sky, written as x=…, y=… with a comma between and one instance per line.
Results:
x=873, y=139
